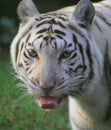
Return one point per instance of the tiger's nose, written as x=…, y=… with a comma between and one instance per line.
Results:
x=47, y=90
x=46, y=87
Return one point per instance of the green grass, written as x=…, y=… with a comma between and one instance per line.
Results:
x=18, y=112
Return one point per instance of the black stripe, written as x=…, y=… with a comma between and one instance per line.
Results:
x=70, y=44
x=75, y=41
x=60, y=37
x=55, y=45
x=72, y=64
x=83, y=67
x=68, y=72
x=91, y=74
x=26, y=63
x=28, y=37
x=29, y=43
x=73, y=56
x=17, y=49
x=59, y=32
x=18, y=43
x=43, y=22
x=59, y=16
x=46, y=38
x=65, y=44
x=22, y=45
x=26, y=69
x=82, y=53
x=41, y=45
x=38, y=19
x=75, y=30
x=71, y=70
x=62, y=18
x=82, y=25
x=26, y=55
x=61, y=25
x=53, y=21
x=41, y=31
x=52, y=38
x=78, y=67
x=39, y=37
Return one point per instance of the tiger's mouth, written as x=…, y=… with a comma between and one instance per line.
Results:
x=48, y=102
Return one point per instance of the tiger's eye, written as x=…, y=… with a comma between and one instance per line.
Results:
x=32, y=53
x=64, y=55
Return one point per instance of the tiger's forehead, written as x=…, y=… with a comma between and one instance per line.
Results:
x=55, y=23
x=50, y=22
x=49, y=28
x=51, y=16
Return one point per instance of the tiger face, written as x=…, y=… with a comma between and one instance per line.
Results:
x=55, y=54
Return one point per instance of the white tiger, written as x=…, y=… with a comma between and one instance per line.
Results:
x=66, y=54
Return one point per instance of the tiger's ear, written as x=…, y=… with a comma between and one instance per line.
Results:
x=84, y=13
x=26, y=9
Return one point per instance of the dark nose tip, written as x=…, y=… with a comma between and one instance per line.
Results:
x=47, y=90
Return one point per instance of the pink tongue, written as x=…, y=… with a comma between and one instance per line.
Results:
x=48, y=102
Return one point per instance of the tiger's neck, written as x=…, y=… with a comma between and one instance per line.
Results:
x=89, y=111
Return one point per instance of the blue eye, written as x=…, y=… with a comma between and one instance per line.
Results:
x=32, y=53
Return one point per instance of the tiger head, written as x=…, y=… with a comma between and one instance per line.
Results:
x=54, y=54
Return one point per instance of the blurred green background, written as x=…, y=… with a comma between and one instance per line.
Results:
x=17, y=110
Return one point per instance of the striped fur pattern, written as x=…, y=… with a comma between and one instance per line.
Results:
x=66, y=54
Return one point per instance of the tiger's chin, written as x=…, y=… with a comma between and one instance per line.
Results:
x=50, y=102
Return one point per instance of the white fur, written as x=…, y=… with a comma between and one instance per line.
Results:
x=88, y=111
